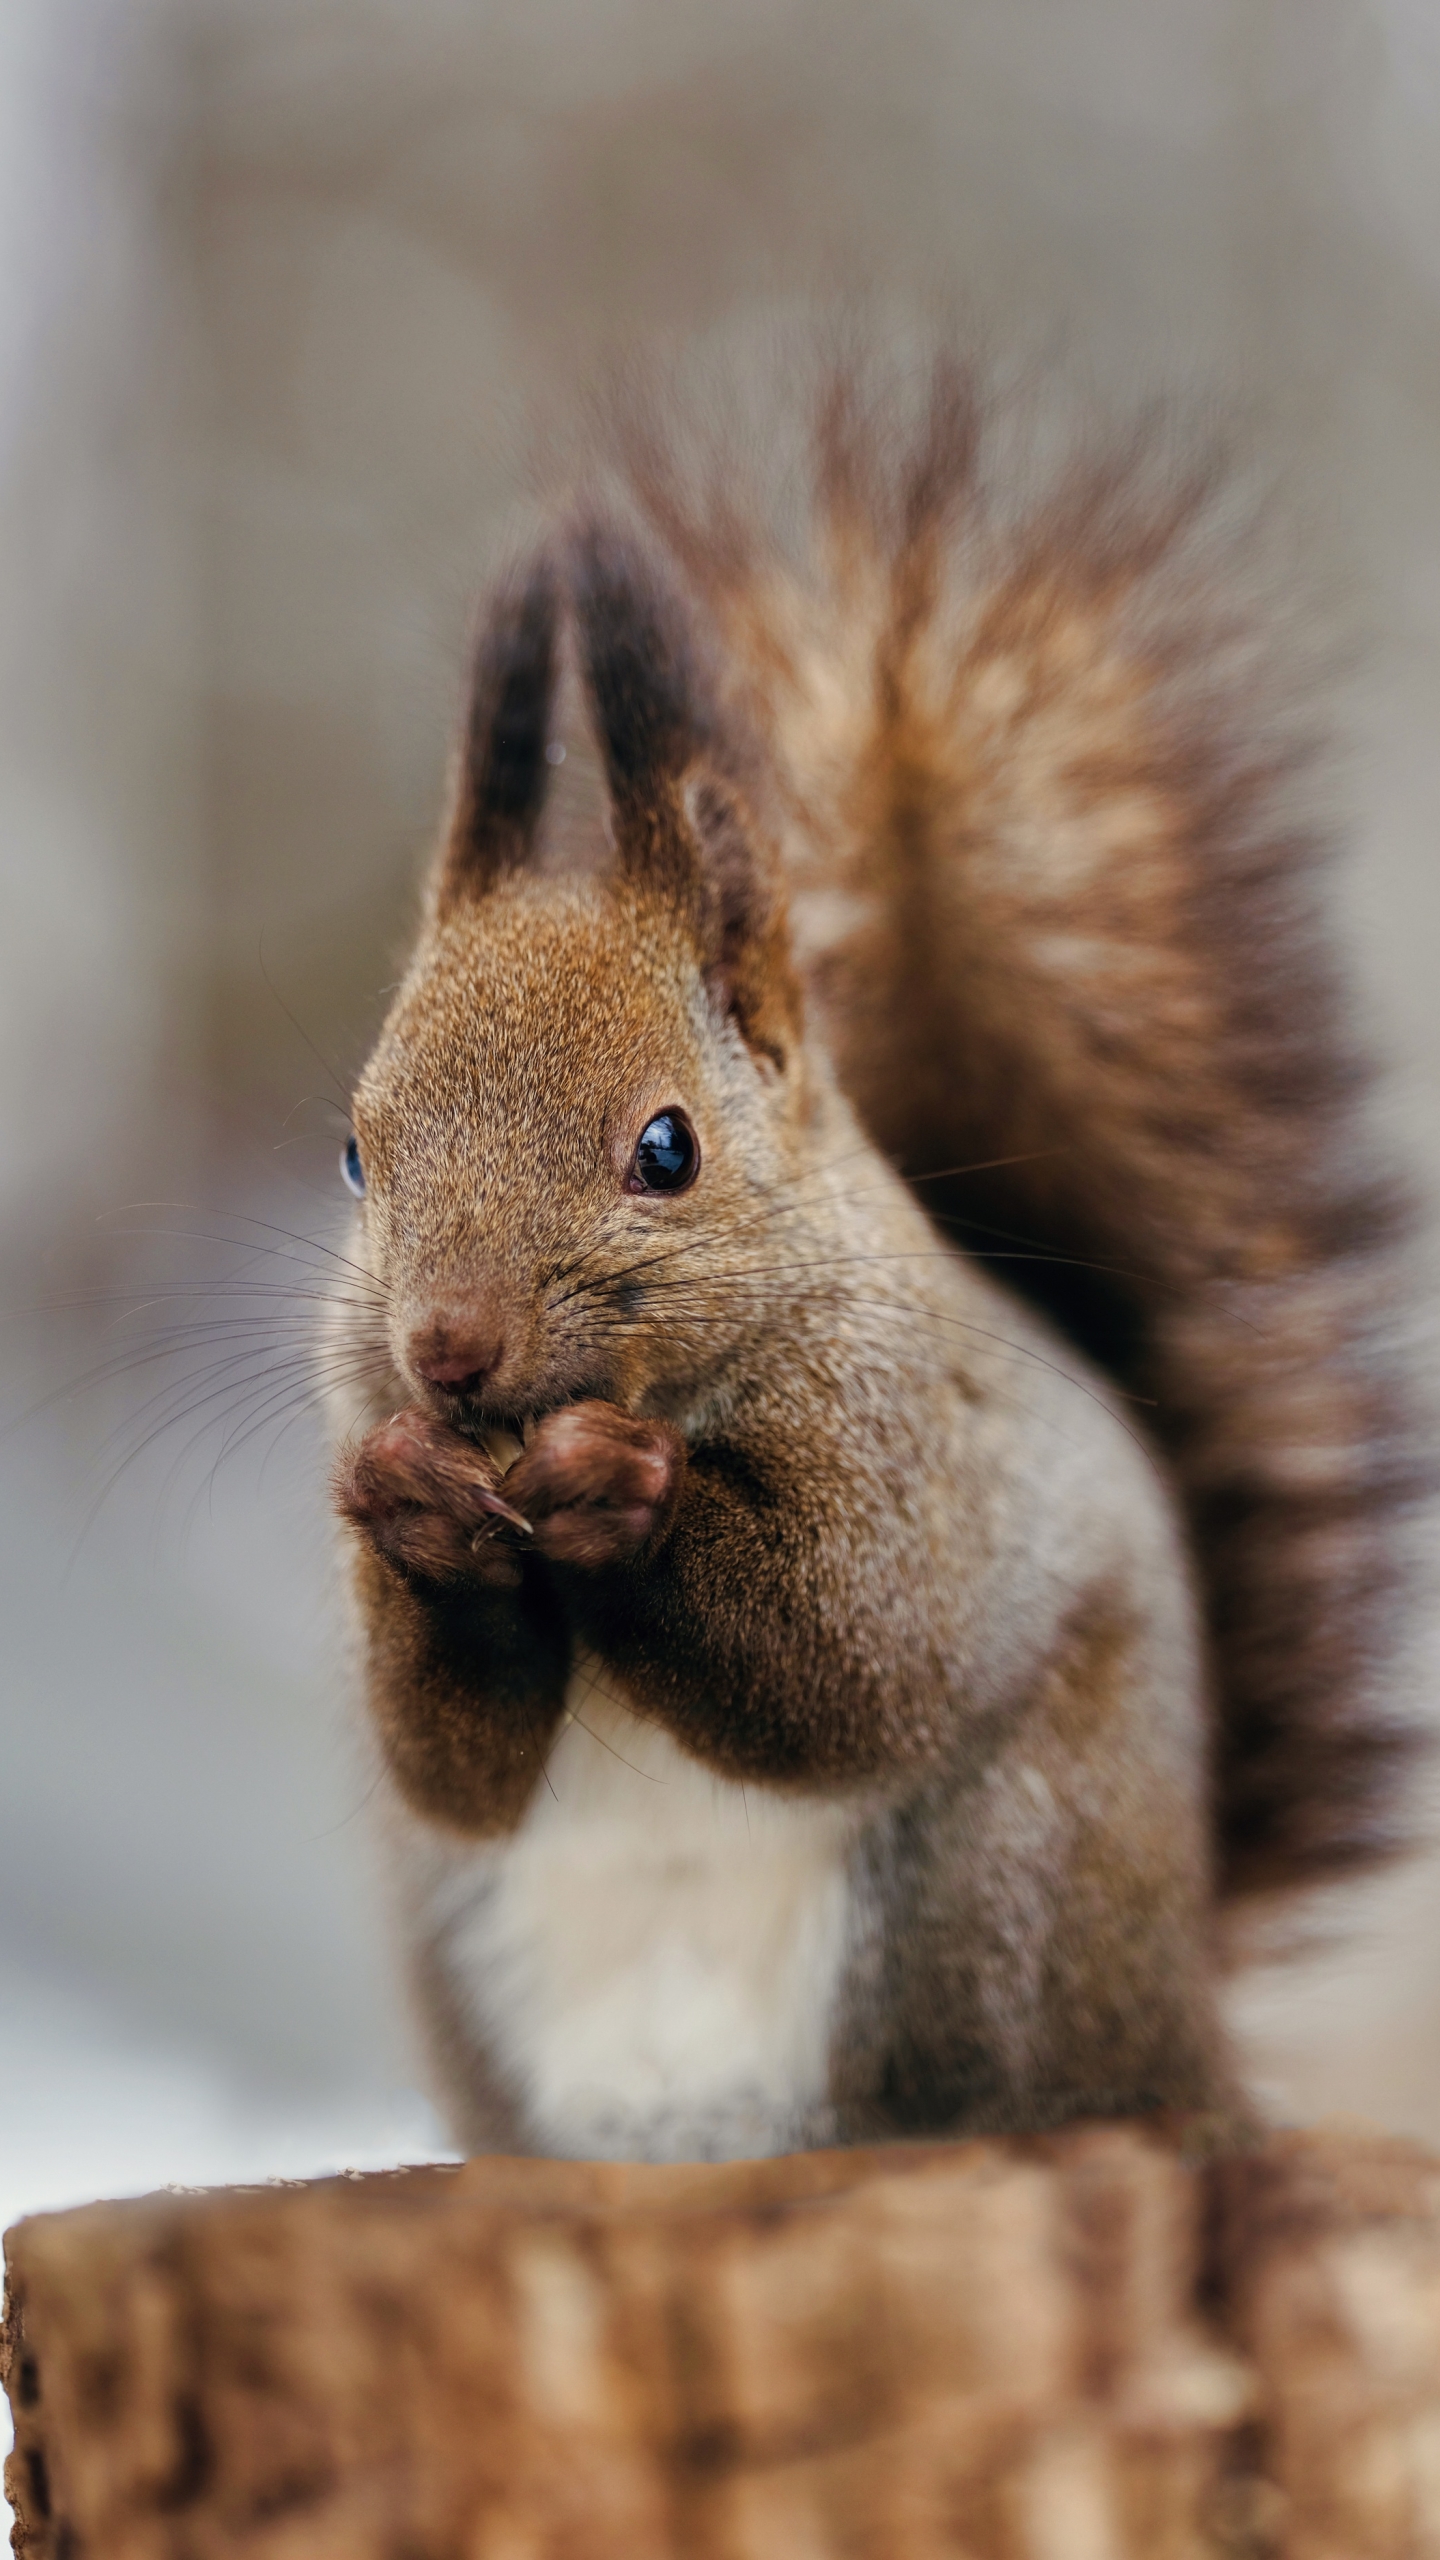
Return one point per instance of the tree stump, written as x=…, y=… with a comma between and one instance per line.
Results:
x=1082, y=2347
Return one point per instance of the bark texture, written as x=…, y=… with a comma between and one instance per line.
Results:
x=1077, y=2348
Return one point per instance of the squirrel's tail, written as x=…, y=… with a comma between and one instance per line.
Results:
x=1062, y=921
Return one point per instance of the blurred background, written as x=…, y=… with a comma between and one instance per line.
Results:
x=284, y=287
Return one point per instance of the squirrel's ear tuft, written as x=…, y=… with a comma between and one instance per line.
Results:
x=504, y=769
x=681, y=822
x=652, y=711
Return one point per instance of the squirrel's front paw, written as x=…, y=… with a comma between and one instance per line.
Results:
x=429, y=1502
x=595, y=1484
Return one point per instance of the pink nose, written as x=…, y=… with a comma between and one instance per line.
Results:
x=450, y=1352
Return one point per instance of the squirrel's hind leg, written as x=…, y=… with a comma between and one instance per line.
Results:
x=1044, y=1926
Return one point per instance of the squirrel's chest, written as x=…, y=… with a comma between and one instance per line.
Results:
x=653, y=1962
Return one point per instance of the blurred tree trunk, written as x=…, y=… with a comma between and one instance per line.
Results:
x=1075, y=2348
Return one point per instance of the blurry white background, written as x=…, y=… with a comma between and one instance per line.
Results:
x=282, y=285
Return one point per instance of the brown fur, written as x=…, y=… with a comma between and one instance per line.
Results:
x=821, y=1498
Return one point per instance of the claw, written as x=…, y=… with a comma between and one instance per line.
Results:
x=503, y=1511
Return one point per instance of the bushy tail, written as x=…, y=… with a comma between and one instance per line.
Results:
x=1059, y=912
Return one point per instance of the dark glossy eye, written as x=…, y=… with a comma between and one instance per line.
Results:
x=667, y=1158
x=351, y=1168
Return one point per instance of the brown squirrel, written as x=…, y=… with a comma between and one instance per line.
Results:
x=888, y=1512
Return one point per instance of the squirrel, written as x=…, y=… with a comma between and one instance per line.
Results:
x=886, y=1521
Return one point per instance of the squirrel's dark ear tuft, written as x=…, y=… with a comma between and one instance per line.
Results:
x=652, y=710
x=504, y=769
x=682, y=824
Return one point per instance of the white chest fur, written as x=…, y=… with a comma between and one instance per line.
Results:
x=651, y=1963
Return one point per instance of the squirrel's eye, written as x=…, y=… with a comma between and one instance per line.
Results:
x=667, y=1158
x=351, y=1169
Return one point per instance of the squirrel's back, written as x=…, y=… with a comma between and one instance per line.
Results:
x=1061, y=920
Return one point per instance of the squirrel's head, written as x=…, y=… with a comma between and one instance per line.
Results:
x=591, y=1094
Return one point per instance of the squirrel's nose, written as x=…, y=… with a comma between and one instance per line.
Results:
x=450, y=1352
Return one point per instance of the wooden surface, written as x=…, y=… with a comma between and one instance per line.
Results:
x=1080, y=2348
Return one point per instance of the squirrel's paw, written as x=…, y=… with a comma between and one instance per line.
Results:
x=595, y=1484
x=429, y=1502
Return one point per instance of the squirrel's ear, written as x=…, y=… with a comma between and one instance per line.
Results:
x=504, y=770
x=745, y=931
x=681, y=824
x=652, y=713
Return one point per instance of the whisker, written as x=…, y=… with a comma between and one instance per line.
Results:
x=272, y=1405
x=595, y=1688
x=792, y=1206
x=316, y=1359
x=262, y=1382
x=313, y=1838
x=1001, y=1345
x=238, y=1217
x=174, y=1398
x=1035, y=1251
x=322, y=1102
x=171, y=1343
x=159, y=1293
x=321, y=1388
x=755, y=1272
x=102, y=1374
x=540, y=1755
x=316, y=1053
